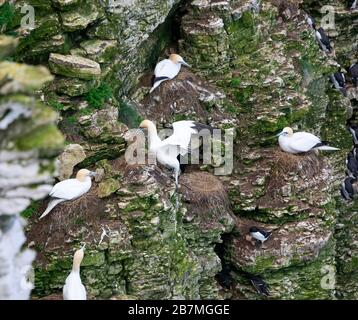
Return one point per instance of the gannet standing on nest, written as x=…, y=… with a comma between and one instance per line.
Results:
x=70, y=189
x=74, y=289
x=167, y=69
x=168, y=150
x=300, y=142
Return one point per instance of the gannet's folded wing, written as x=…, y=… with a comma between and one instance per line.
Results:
x=68, y=189
x=166, y=68
x=304, y=141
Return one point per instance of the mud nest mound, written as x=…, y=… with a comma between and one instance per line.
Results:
x=203, y=191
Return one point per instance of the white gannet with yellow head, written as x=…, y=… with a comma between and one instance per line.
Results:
x=74, y=289
x=69, y=189
x=167, y=69
x=300, y=142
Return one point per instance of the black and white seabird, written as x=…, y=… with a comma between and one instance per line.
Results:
x=339, y=81
x=349, y=188
x=352, y=4
x=311, y=22
x=353, y=72
x=259, y=234
x=354, y=131
x=323, y=40
x=167, y=69
x=259, y=284
x=352, y=165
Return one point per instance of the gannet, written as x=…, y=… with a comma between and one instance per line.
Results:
x=259, y=234
x=69, y=189
x=168, y=150
x=323, y=39
x=167, y=69
x=74, y=289
x=300, y=142
x=353, y=72
x=352, y=4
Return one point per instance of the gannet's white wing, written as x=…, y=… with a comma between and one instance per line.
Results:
x=182, y=134
x=166, y=68
x=69, y=189
x=304, y=141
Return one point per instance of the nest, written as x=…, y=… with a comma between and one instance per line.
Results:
x=204, y=192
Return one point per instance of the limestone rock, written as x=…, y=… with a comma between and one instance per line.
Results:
x=16, y=77
x=74, y=66
x=100, y=51
x=72, y=155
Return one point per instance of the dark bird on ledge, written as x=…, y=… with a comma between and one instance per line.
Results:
x=323, y=40
x=259, y=234
x=354, y=131
x=259, y=284
x=311, y=22
x=352, y=4
x=352, y=165
x=349, y=188
x=353, y=72
x=6, y=222
x=339, y=81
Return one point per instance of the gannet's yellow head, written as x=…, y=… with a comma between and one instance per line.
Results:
x=146, y=124
x=286, y=132
x=83, y=174
x=176, y=58
x=78, y=257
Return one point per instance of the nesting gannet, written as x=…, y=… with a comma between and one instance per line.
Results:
x=300, y=142
x=167, y=69
x=74, y=289
x=322, y=39
x=259, y=284
x=259, y=234
x=168, y=150
x=69, y=189
x=339, y=81
x=353, y=72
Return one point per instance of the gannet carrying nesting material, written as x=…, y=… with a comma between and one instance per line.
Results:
x=74, y=289
x=168, y=150
x=353, y=72
x=323, y=39
x=167, y=69
x=70, y=189
x=259, y=234
x=300, y=142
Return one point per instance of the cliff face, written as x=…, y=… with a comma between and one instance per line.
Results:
x=256, y=69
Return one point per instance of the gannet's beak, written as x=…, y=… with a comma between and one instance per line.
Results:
x=84, y=247
x=92, y=174
x=277, y=135
x=186, y=64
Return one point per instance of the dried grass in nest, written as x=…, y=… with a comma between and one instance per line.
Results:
x=304, y=165
x=201, y=189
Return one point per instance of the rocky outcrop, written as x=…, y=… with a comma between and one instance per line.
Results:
x=28, y=141
x=256, y=69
